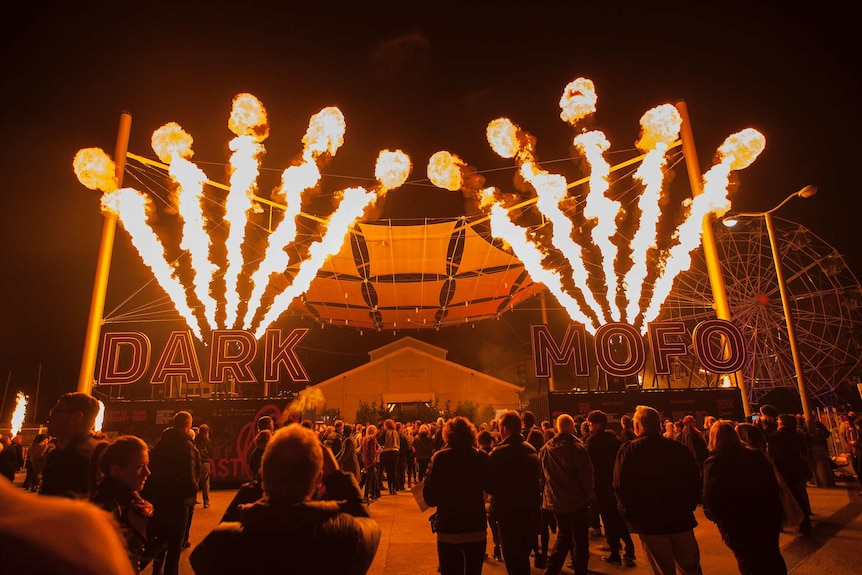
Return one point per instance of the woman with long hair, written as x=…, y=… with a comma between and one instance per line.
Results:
x=370, y=456
x=455, y=484
x=389, y=455
x=738, y=484
x=119, y=472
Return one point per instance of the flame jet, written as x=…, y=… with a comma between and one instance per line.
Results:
x=96, y=170
x=601, y=209
x=531, y=256
x=173, y=146
x=550, y=191
x=659, y=129
x=737, y=152
x=248, y=121
x=444, y=171
x=17, y=421
x=325, y=134
x=354, y=202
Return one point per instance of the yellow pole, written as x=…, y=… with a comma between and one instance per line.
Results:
x=103, y=265
x=710, y=251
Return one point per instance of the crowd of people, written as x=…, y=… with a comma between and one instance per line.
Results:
x=312, y=487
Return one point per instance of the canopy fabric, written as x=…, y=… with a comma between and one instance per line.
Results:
x=389, y=276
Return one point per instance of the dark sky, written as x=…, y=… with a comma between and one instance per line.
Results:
x=417, y=76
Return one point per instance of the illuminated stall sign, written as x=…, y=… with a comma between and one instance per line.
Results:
x=665, y=339
x=126, y=357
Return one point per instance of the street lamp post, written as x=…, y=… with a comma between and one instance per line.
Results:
x=730, y=221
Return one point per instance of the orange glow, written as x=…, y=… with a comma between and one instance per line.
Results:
x=503, y=136
x=392, y=169
x=95, y=169
x=444, y=171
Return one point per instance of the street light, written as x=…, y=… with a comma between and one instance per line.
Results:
x=731, y=221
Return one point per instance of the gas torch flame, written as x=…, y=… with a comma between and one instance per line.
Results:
x=391, y=169
x=444, y=171
x=19, y=414
x=100, y=418
x=173, y=146
x=131, y=208
x=660, y=128
x=248, y=122
x=325, y=134
x=602, y=209
x=502, y=134
x=578, y=100
x=351, y=207
x=737, y=152
x=95, y=169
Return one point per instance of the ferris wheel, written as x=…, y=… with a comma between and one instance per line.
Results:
x=824, y=296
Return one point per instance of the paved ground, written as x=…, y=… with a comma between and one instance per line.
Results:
x=408, y=547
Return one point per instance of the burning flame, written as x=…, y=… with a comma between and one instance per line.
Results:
x=737, y=152
x=248, y=122
x=444, y=171
x=95, y=169
x=173, y=145
x=660, y=128
x=601, y=209
x=131, y=207
x=325, y=134
x=503, y=136
x=100, y=418
x=19, y=414
x=578, y=100
x=392, y=169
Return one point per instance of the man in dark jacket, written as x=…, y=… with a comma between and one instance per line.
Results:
x=568, y=493
x=516, y=494
x=173, y=486
x=67, y=468
x=658, y=487
x=602, y=446
x=287, y=531
x=788, y=450
x=693, y=439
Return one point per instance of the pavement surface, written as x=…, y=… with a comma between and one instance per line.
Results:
x=408, y=546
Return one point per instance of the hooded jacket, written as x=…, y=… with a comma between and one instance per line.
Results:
x=568, y=474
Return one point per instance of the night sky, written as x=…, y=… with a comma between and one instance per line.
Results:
x=417, y=76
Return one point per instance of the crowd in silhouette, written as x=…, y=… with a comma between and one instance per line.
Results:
x=312, y=487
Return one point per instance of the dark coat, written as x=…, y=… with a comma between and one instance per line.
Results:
x=423, y=446
x=602, y=448
x=568, y=473
x=693, y=439
x=175, y=467
x=336, y=536
x=67, y=471
x=786, y=449
x=130, y=513
x=516, y=483
x=455, y=484
x=740, y=492
x=658, y=485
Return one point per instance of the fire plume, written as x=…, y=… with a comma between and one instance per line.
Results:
x=502, y=134
x=173, y=145
x=95, y=169
x=391, y=169
x=659, y=129
x=351, y=207
x=737, y=152
x=325, y=134
x=578, y=100
x=248, y=122
x=131, y=207
x=444, y=171
x=602, y=209
x=19, y=414
x=100, y=418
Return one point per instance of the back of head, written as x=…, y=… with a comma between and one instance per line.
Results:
x=510, y=421
x=646, y=420
x=182, y=420
x=768, y=411
x=459, y=433
x=787, y=420
x=204, y=430
x=528, y=419
x=598, y=417
x=291, y=464
x=723, y=436
x=688, y=420
x=81, y=402
x=565, y=424
x=751, y=435
x=265, y=422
